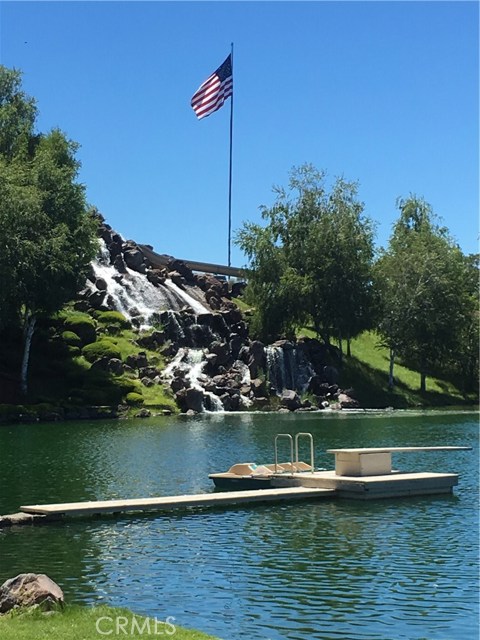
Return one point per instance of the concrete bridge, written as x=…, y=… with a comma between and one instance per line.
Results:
x=161, y=260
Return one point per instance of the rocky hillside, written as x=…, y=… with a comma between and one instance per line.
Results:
x=167, y=339
x=193, y=321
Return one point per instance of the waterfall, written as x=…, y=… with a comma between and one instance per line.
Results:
x=276, y=368
x=197, y=307
x=245, y=379
x=195, y=375
x=288, y=368
x=189, y=363
x=134, y=295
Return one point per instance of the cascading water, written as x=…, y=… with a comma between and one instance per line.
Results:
x=135, y=296
x=190, y=363
x=288, y=368
x=246, y=380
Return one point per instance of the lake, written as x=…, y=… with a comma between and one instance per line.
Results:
x=388, y=569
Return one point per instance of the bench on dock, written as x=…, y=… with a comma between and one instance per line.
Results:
x=375, y=461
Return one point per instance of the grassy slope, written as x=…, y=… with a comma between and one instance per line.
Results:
x=59, y=374
x=367, y=372
x=79, y=623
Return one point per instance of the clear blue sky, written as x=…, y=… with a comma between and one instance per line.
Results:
x=385, y=93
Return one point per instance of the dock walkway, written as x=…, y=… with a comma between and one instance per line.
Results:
x=166, y=503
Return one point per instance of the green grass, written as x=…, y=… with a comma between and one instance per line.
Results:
x=367, y=372
x=82, y=623
x=242, y=305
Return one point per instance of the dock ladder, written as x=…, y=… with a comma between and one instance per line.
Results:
x=294, y=447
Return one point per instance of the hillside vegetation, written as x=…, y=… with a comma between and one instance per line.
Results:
x=366, y=371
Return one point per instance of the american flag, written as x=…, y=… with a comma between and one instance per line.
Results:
x=212, y=93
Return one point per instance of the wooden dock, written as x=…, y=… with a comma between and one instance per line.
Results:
x=167, y=503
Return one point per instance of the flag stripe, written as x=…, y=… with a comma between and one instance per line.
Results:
x=213, y=92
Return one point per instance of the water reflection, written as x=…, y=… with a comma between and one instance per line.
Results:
x=404, y=568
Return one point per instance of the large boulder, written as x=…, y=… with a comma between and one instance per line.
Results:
x=347, y=402
x=134, y=259
x=194, y=399
x=290, y=400
x=28, y=589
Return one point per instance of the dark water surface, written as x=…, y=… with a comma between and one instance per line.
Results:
x=388, y=569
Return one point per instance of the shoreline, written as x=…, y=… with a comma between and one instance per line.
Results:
x=11, y=415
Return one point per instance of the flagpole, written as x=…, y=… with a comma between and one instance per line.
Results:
x=230, y=172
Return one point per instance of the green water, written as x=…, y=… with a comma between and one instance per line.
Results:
x=391, y=569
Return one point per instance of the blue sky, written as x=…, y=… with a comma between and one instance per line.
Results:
x=385, y=93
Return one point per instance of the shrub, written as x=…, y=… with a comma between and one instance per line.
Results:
x=71, y=338
x=134, y=398
x=127, y=385
x=113, y=318
x=83, y=326
x=101, y=349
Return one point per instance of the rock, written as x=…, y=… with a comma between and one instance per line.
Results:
x=178, y=383
x=317, y=386
x=259, y=388
x=119, y=263
x=134, y=259
x=96, y=299
x=101, y=284
x=237, y=289
x=236, y=343
x=7, y=601
x=177, y=279
x=153, y=341
x=221, y=350
x=346, y=402
x=156, y=277
x=137, y=361
x=143, y=413
x=290, y=400
x=148, y=372
x=257, y=353
x=190, y=400
x=17, y=519
x=182, y=269
x=115, y=366
x=112, y=365
x=28, y=589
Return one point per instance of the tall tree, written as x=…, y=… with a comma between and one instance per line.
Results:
x=421, y=277
x=313, y=259
x=47, y=235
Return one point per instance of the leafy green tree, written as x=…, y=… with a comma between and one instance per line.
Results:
x=421, y=279
x=312, y=262
x=47, y=234
x=464, y=360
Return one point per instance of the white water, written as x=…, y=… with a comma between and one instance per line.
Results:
x=246, y=379
x=192, y=363
x=197, y=307
x=135, y=294
x=288, y=369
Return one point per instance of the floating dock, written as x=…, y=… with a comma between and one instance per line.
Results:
x=167, y=503
x=359, y=474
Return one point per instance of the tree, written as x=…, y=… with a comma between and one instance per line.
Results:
x=47, y=235
x=312, y=262
x=464, y=361
x=421, y=278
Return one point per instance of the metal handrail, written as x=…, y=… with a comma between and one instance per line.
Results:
x=283, y=435
x=312, y=452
